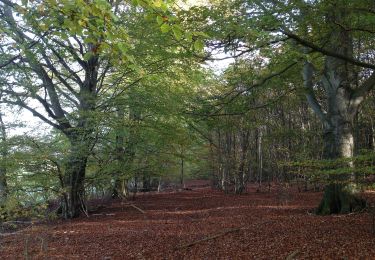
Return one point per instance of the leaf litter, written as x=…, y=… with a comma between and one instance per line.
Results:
x=201, y=224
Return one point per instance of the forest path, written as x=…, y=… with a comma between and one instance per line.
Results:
x=201, y=224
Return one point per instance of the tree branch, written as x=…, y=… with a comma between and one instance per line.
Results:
x=307, y=73
x=327, y=52
x=360, y=93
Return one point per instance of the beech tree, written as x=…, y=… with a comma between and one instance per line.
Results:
x=334, y=56
x=3, y=166
x=56, y=61
x=122, y=82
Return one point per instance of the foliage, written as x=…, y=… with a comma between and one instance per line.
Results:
x=128, y=95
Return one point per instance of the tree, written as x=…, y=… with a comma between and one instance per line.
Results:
x=3, y=166
x=288, y=36
x=61, y=63
x=344, y=93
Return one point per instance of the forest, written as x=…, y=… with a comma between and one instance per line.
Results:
x=187, y=129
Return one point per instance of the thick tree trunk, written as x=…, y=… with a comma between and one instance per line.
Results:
x=340, y=195
x=343, y=97
x=340, y=198
x=75, y=169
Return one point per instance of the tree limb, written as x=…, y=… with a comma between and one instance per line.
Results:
x=359, y=94
x=327, y=52
x=308, y=71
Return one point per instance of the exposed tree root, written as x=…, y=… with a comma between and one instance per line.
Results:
x=340, y=199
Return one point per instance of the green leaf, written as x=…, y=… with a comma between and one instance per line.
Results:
x=165, y=28
x=157, y=3
x=122, y=47
x=204, y=35
x=189, y=36
x=198, y=45
x=177, y=32
x=87, y=55
x=159, y=20
x=164, y=7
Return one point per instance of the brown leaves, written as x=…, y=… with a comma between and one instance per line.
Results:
x=203, y=224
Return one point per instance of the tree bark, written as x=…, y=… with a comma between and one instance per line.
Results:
x=340, y=194
x=260, y=159
x=3, y=167
x=182, y=180
x=343, y=97
x=73, y=202
x=343, y=100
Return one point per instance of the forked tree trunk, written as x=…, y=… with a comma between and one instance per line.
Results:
x=343, y=98
x=120, y=190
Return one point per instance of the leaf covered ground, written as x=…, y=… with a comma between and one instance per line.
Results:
x=201, y=224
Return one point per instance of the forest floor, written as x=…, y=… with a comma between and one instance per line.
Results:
x=201, y=224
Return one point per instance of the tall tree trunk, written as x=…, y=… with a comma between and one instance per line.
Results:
x=343, y=102
x=3, y=164
x=182, y=173
x=75, y=170
x=241, y=182
x=146, y=182
x=120, y=187
x=340, y=193
x=260, y=159
x=339, y=196
x=372, y=136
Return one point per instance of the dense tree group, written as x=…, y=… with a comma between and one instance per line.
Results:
x=128, y=102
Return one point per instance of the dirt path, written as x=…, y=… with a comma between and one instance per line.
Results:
x=201, y=224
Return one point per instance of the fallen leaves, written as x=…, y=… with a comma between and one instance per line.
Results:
x=201, y=224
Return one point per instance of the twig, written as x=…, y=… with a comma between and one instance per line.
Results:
x=9, y=234
x=292, y=255
x=222, y=233
x=14, y=233
x=26, y=253
x=210, y=237
x=43, y=246
x=16, y=222
x=140, y=210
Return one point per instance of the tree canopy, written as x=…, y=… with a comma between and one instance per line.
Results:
x=129, y=100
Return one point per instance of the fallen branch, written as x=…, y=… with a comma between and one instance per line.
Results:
x=210, y=237
x=222, y=233
x=13, y=233
x=140, y=210
x=102, y=214
x=16, y=222
x=292, y=255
